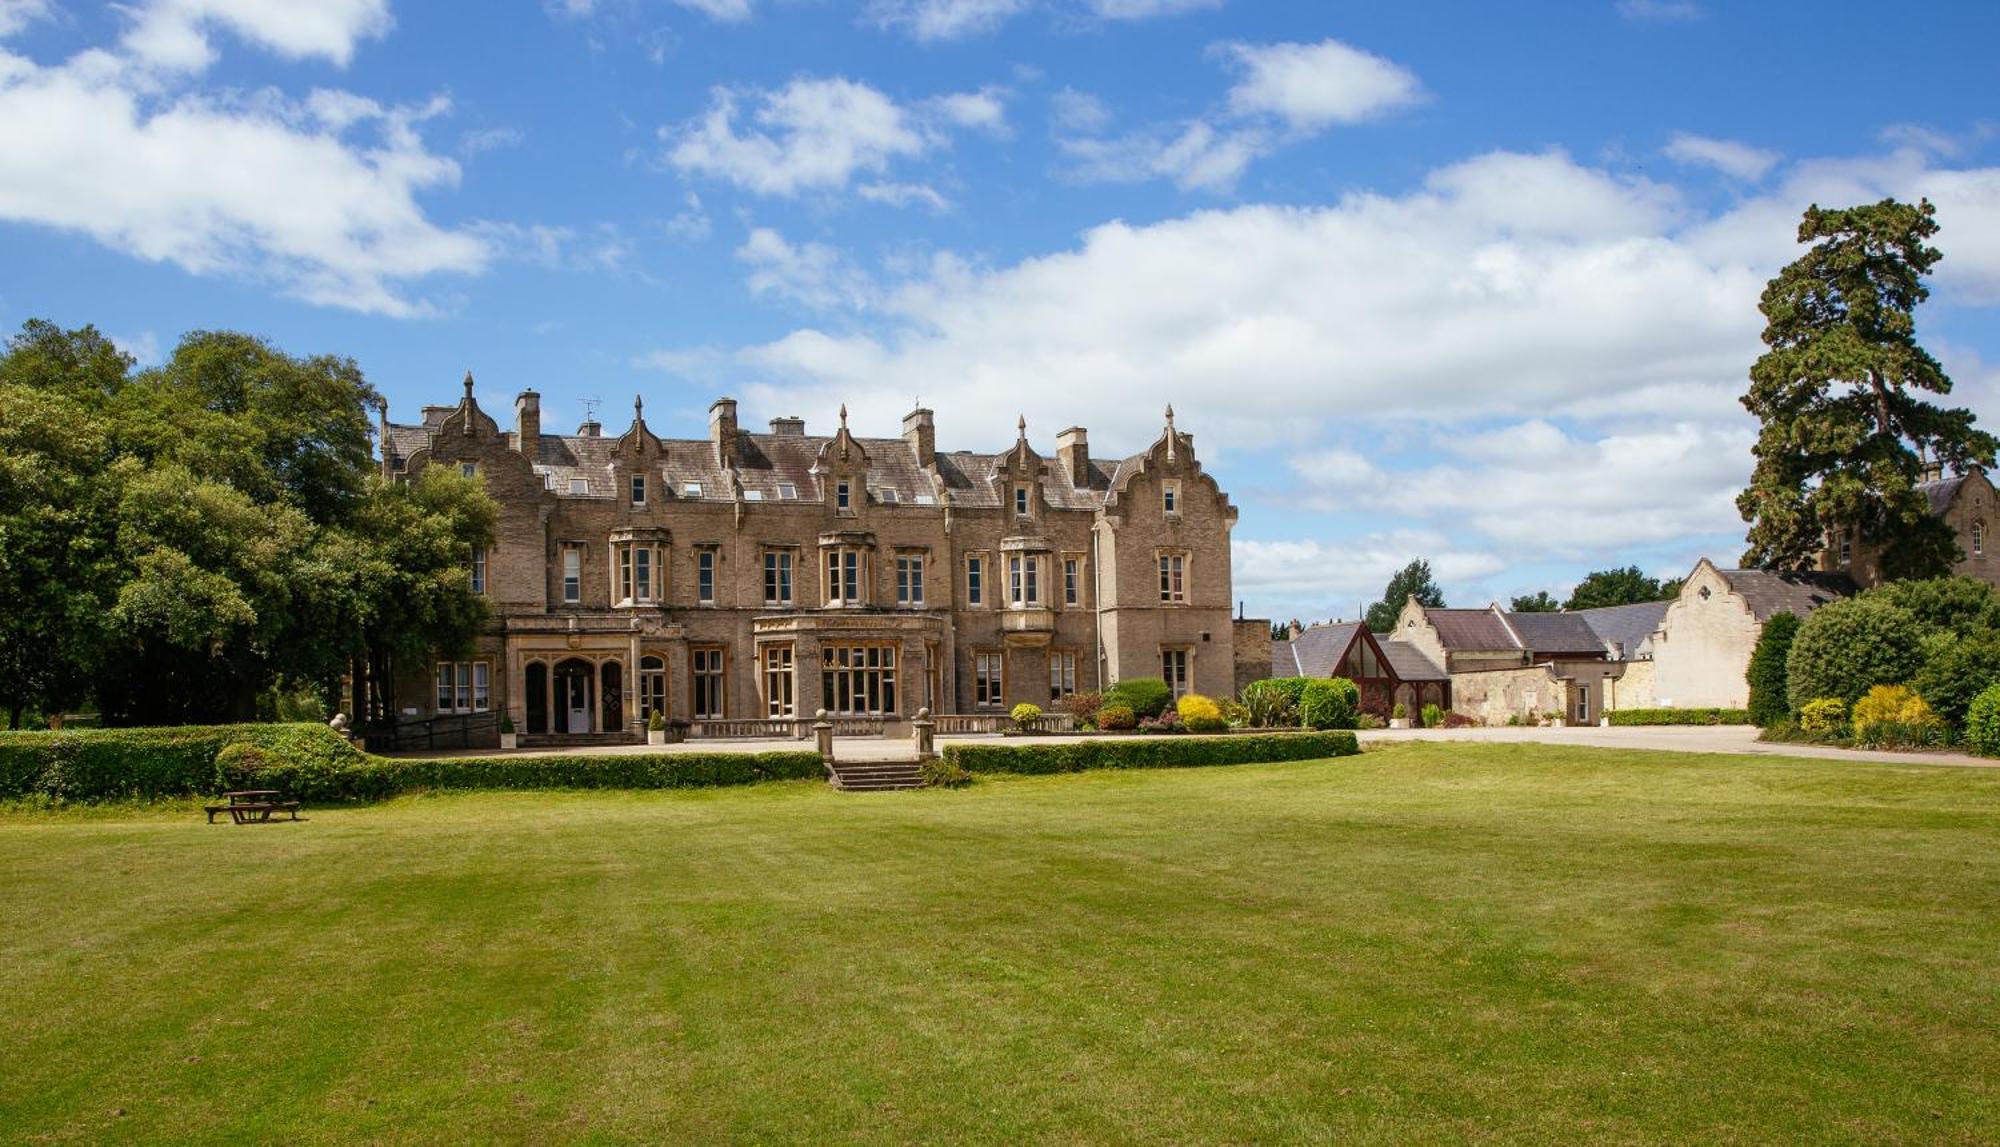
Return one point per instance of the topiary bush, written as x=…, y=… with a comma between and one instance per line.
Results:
x=1770, y=702
x=1848, y=647
x=1199, y=714
x=1146, y=696
x=1026, y=714
x=1982, y=723
x=1329, y=703
x=1823, y=715
x=1117, y=718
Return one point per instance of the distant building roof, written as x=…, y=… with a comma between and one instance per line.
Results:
x=1555, y=634
x=1319, y=650
x=1941, y=492
x=1471, y=629
x=1411, y=663
x=1797, y=592
x=1626, y=630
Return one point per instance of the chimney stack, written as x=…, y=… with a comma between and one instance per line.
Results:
x=1073, y=448
x=722, y=431
x=791, y=426
x=921, y=433
x=528, y=423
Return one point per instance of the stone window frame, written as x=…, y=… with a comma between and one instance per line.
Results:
x=571, y=589
x=476, y=574
x=470, y=681
x=1170, y=592
x=1024, y=580
x=627, y=589
x=708, y=568
x=1072, y=579
x=768, y=674
x=717, y=677
x=989, y=693
x=1061, y=683
x=834, y=592
x=1170, y=497
x=1181, y=684
x=978, y=573
x=783, y=570
x=636, y=486
x=911, y=563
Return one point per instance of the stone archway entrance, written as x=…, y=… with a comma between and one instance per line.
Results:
x=575, y=682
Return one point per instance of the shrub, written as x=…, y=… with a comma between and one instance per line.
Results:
x=1368, y=720
x=1270, y=702
x=1679, y=716
x=1116, y=716
x=1399, y=711
x=1329, y=703
x=943, y=773
x=1891, y=705
x=1200, y=715
x=1848, y=647
x=1453, y=720
x=1026, y=714
x=600, y=771
x=1823, y=715
x=1082, y=706
x=1769, y=701
x=1432, y=716
x=1982, y=723
x=1234, y=713
x=1955, y=671
x=1146, y=696
x=507, y=724
x=1167, y=722
x=1959, y=605
x=657, y=723
x=1143, y=753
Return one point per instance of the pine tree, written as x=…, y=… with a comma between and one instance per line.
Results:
x=1769, y=696
x=1846, y=436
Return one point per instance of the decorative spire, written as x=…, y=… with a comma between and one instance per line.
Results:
x=1171, y=436
x=1170, y=416
x=468, y=386
x=638, y=410
x=1021, y=424
x=843, y=416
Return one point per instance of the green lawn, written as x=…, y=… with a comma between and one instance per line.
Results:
x=1430, y=941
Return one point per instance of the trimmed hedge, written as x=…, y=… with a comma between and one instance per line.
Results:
x=1679, y=716
x=1151, y=752
x=313, y=763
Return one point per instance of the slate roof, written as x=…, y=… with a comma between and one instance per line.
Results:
x=1771, y=592
x=1320, y=649
x=1318, y=652
x=1941, y=493
x=1556, y=634
x=1284, y=663
x=1627, y=627
x=1411, y=663
x=1471, y=629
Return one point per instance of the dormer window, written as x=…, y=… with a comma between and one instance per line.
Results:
x=1021, y=501
x=787, y=492
x=887, y=495
x=843, y=496
x=1170, y=498
x=579, y=486
x=638, y=489
x=691, y=489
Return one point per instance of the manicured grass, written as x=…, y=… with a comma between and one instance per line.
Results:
x=1429, y=941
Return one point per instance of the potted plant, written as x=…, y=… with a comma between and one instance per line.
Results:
x=507, y=738
x=656, y=729
x=1399, y=716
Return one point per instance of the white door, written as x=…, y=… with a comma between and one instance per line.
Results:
x=577, y=701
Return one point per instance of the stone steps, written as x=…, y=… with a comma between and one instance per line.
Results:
x=876, y=776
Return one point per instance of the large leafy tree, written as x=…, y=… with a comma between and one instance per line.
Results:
x=1847, y=432
x=1541, y=601
x=1413, y=580
x=1626, y=586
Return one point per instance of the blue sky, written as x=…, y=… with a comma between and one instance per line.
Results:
x=1474, y=282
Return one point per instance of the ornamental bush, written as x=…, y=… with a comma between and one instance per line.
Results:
x=1270, y=702
x=1433, y=716
x=1982, y=723
x=1956, y=670
x=1823, y=715
x=1117, y=717
x=1026, y=714
x=1200, y=714
x=1329, y=703
x=1149, y=752
x=1082, y=706
x=1890, y=704
x=1769, y=701
x=1145, y=696
x=1848, y=647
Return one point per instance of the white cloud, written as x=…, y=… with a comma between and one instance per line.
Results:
x=144, y=347
x=1320, y=579
x=1197, y=156
x=1660, y=11
x=1145, y=9
x=173, y=34
x=690, y=224
x=318, y=197
x=18, y=14
x=811, y=274
x=489, y=139
x=1075, y=111
x=904, y=195
x=599, y=248
x=810, y=135
x=1314, y=86
x=1737, y=160
x=927, y=20
x=724, y=11
x=984, y=110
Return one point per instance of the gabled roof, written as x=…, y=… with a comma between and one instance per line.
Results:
x=1626, y=630
x=1555, y=634
x=1797, y=592
x=1941, y=492
x=1320, y=650
x=1411, y=663
x=1466, y=630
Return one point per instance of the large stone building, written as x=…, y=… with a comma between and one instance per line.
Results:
x=1701, y=649
x=1963, y=501
x=758, y=575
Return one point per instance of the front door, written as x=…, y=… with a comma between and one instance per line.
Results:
x=576, y=702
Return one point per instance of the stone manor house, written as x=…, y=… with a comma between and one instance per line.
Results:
x=767, y=575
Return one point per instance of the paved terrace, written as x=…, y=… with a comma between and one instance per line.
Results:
x=1731, y=739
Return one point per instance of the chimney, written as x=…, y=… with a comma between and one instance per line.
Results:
x=791, y=426
x=1073, y=447
x=589, y=429
x=528, y=423
x=722, y=431
x=921, y=433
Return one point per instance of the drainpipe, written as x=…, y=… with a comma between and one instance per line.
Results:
x=1097, y=602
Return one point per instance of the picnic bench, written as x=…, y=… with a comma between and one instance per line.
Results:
x=252, y=806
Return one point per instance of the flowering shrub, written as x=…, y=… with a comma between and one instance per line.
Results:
x=1026, y=714
x=1825, y=715
x=1200, y=715
x=1117, y=717
x=1887, y=704
x=1167, y=722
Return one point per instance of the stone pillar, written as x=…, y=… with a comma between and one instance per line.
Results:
x=823, y=737
x=922, y=730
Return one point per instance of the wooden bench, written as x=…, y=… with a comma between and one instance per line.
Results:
x=252, y=806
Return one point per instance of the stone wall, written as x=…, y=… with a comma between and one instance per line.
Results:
x=1701, y=653
x=1491, y=696
x=1252, y=643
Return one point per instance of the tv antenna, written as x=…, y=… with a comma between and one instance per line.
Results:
x=590, y=408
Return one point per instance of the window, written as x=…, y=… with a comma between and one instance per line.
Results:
x=468, y=469
x=572, y=567
x=652, y=686
x=1072, y=580
x=462, y=687
x=638, y=566
x=1062, y=675
x=858, y=679
x=989, y=680
x=1846, y=547
x=1021, y=501
x=887, y=496
x=579, y=486
x=690, y=489
x=842, y=496
x=1173, y=578
x=909, y=579
x=1024, y=580
x=1170, y=497
x=846, y=569
x=777, y=577
x=1978, y=539
x=708, y=680
x=975, y=580
x=479, y=569
x=638, y=489
x=787, y=492
x=1174, y=670
x=1583, y=704
x=778, y=681
x=753, y=495
x=704, y=577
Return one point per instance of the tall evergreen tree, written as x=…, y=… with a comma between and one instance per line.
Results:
x=1770, y=700
x=1847, y=435
x=1413, y=580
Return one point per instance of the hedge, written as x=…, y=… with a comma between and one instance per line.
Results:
x=1151, y=752
x=313, y=763
x=1679, y=716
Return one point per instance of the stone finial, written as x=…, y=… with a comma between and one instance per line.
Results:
x=1021, y=425
x=468, y=386
x=1171, y=436
x=638, y=410
x=843, y=416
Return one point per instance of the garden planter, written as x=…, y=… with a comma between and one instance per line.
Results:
x=1399, y=722
x=656, y=736
x=508, y=740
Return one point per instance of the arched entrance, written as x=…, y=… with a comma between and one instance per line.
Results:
x=574, y=684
